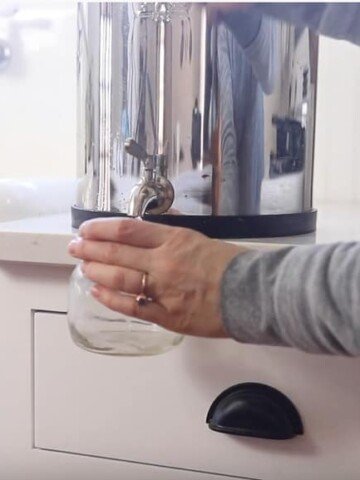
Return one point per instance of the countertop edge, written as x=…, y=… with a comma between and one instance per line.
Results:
x=44, y=240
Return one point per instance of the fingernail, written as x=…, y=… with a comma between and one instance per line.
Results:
x=73, y=245
x=83, y=228
x=95, y=291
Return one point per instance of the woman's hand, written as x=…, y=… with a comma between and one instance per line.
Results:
x=184, y=271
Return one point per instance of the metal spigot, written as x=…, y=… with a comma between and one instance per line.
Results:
x=154, y=193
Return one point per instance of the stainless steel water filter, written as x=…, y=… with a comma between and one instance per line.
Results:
x=193, y=117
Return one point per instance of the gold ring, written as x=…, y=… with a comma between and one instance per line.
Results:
x=142, y=299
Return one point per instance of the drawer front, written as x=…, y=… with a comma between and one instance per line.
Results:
x=153, y=409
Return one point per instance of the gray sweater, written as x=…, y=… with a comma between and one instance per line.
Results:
x=337, y=20
x=304, y=297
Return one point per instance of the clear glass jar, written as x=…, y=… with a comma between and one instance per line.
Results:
x=98, y=329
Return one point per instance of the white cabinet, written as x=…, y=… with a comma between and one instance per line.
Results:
x=152, y=410
x=26, y=290
x=68, y=413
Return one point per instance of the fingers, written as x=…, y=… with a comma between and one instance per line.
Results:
x=127, y=231
x=111, y=254
x=115, y=278
x=151, y=312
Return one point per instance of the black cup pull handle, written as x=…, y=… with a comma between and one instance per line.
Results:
x=255, y=410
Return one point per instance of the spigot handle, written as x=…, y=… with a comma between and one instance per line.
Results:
x=134, y=149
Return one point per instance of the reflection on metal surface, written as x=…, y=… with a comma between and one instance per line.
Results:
x=230, y=116
x=290, y=147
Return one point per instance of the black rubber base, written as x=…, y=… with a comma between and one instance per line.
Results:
x=251, y=226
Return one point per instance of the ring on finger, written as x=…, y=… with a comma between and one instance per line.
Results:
x=142, y=299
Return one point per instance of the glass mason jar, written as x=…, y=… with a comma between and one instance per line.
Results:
x=98, y=329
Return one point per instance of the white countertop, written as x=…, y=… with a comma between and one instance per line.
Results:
x=45, y=239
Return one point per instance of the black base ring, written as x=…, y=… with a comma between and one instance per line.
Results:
x=224, y=227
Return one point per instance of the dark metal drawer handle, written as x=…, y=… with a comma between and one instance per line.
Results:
x=255, y=410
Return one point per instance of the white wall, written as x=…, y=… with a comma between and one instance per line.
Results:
x=337, y=148
x=38, y=91
x=38, y=103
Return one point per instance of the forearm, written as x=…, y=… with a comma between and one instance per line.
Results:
x=305, y=297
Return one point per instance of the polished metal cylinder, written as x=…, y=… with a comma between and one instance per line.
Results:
x=225, y=101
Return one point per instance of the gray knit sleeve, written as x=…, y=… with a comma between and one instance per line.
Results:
x=305, y=297
x=337, y=20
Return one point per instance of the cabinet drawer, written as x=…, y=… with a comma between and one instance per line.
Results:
x=153, y=409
